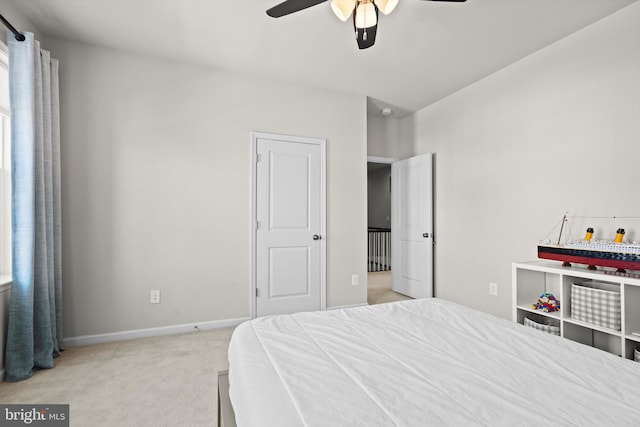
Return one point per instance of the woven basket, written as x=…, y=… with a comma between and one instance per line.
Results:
x=544, y=327
x=597, y=306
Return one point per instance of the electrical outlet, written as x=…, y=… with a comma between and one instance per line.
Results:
x=493, y=289
x=354, y=279
x=154, y=296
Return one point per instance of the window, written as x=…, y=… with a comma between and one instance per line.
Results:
x=5, y=171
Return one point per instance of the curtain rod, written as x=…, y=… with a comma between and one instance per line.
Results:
x=19, y=36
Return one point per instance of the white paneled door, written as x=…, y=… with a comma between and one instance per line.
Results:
x=290, y=224
x=412, y=226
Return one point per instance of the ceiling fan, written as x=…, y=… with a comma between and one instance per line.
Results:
x=365, y=14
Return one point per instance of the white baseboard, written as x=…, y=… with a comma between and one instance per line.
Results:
x=340, y=307
x=151, y=332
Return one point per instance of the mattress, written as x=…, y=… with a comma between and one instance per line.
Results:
x=426, y=362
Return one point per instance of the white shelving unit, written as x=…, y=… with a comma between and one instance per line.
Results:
x=530, y=279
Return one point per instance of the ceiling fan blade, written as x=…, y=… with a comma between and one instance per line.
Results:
x=291, y=6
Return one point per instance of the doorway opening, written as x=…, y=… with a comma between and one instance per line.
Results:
x=379, y=232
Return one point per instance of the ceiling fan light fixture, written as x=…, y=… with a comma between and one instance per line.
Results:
x=343, y=8
x=386, y=6
x=366, y=15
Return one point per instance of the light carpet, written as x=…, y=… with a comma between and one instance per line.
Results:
x=158, y=381
x=379, y=288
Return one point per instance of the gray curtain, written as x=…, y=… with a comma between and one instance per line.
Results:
x=34, y=335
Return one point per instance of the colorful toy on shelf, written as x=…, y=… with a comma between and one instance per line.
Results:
x=547, y=303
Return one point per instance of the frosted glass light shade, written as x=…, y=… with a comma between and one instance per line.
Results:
x=366, y=15
x=343, y=8
x=386, y=6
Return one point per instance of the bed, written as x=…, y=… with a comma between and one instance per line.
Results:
x=426, y=362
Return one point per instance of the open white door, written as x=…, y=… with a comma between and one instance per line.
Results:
x=412, y=226
x=289, y=261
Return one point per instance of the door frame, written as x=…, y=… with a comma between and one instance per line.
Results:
x=385, y=160
x=254, y=212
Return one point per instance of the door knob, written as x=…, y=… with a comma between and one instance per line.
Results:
x=316, y=237
x=425, y=235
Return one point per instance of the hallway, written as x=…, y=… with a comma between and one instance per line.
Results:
x=379, y=288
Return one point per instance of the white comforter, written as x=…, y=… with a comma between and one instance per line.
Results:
x=424, y=362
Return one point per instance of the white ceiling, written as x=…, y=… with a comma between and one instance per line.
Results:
x=424, y=50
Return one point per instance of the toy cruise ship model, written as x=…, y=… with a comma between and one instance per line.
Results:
x=615, y=254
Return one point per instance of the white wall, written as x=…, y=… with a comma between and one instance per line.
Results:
x=156, y=187
x=383, y=137
x=557, y=131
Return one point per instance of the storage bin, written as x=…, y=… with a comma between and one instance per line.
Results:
x=590, y=303
x=544, y=327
